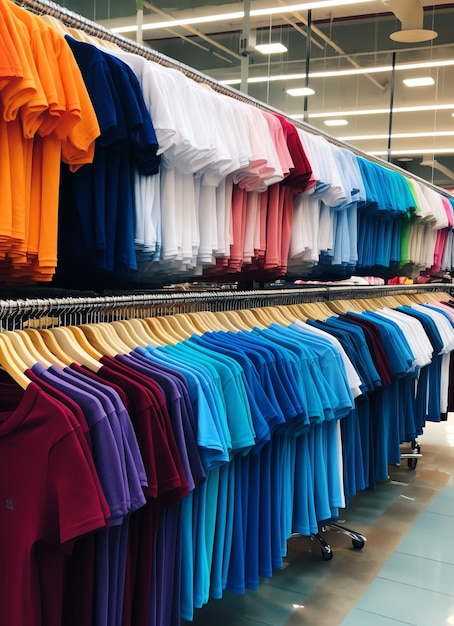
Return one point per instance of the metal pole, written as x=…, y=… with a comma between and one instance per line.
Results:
x=139, y=8
x=244, y=44
x=391, y=104
x=308, y=60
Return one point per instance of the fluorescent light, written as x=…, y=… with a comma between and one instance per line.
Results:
x=238, y=15
x=335, y=122
x=301, y=91
x=419, y=82
x=405, y=159
x=415, y=109
x=339, y=73
x=271, y=48
x=418, y=151
x=447, y=133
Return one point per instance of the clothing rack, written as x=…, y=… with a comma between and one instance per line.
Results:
x=64, y=311
x=72, y=19
x=45, y=312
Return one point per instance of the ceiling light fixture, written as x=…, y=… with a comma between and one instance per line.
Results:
x=447, y=133
x=301, y=91
x=415, y=109
x=434, y=164
x=419, y=82
x=417, y=151
x=238, y=15
x=271, y=48
x=335, y=122
x=339, y=73
x=405, y=159
x=411, y=14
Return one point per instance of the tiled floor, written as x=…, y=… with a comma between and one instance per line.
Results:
x=404, y=575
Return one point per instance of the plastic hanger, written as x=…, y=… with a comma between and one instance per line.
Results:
x=11, y=363
x=73, y=349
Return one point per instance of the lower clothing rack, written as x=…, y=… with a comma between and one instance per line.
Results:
x=73, y=310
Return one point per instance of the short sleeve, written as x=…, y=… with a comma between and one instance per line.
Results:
x=73, y=504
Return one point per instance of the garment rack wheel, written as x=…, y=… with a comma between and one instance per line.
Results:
x=413, y=456
x=325, y=548
x=358, y=540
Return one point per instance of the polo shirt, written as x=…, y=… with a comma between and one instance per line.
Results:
x=58, y=456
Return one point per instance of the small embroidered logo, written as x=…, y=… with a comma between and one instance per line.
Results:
x=10, y=504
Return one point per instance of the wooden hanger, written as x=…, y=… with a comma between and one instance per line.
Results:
x=57, y=25
x=212, y=322
x=11, y=363
x=139, y=330
x=158, y=332
x=25, y=349
x=172, y=326
x=199, y=322
x=235, y=320
x=288, y=314
x=262, y=317
x=44, y=357
x=317, y=310
x=186, y=323
x=296, y=312
x=73, y=349
x=98, y=340
x=225, y=322
x=127, y=334
x=54, y=346
x=84, y=343
x=249, y=319
x=145, y=332
x=37, y=339
x=114, y=338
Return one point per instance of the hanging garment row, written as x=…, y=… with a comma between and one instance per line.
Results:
x=196, y=444
x=164, y=178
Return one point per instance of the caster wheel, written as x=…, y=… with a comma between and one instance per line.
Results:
x=358, y=544
x=412, y=463
x=327, y=555
x=416, y=446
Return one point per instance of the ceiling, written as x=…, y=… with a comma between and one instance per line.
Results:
x=343, y=38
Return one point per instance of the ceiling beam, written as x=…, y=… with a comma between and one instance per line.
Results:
x=194, y=31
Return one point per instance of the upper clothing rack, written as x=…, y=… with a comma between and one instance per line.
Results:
x=66, y=311
x=72, y=19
